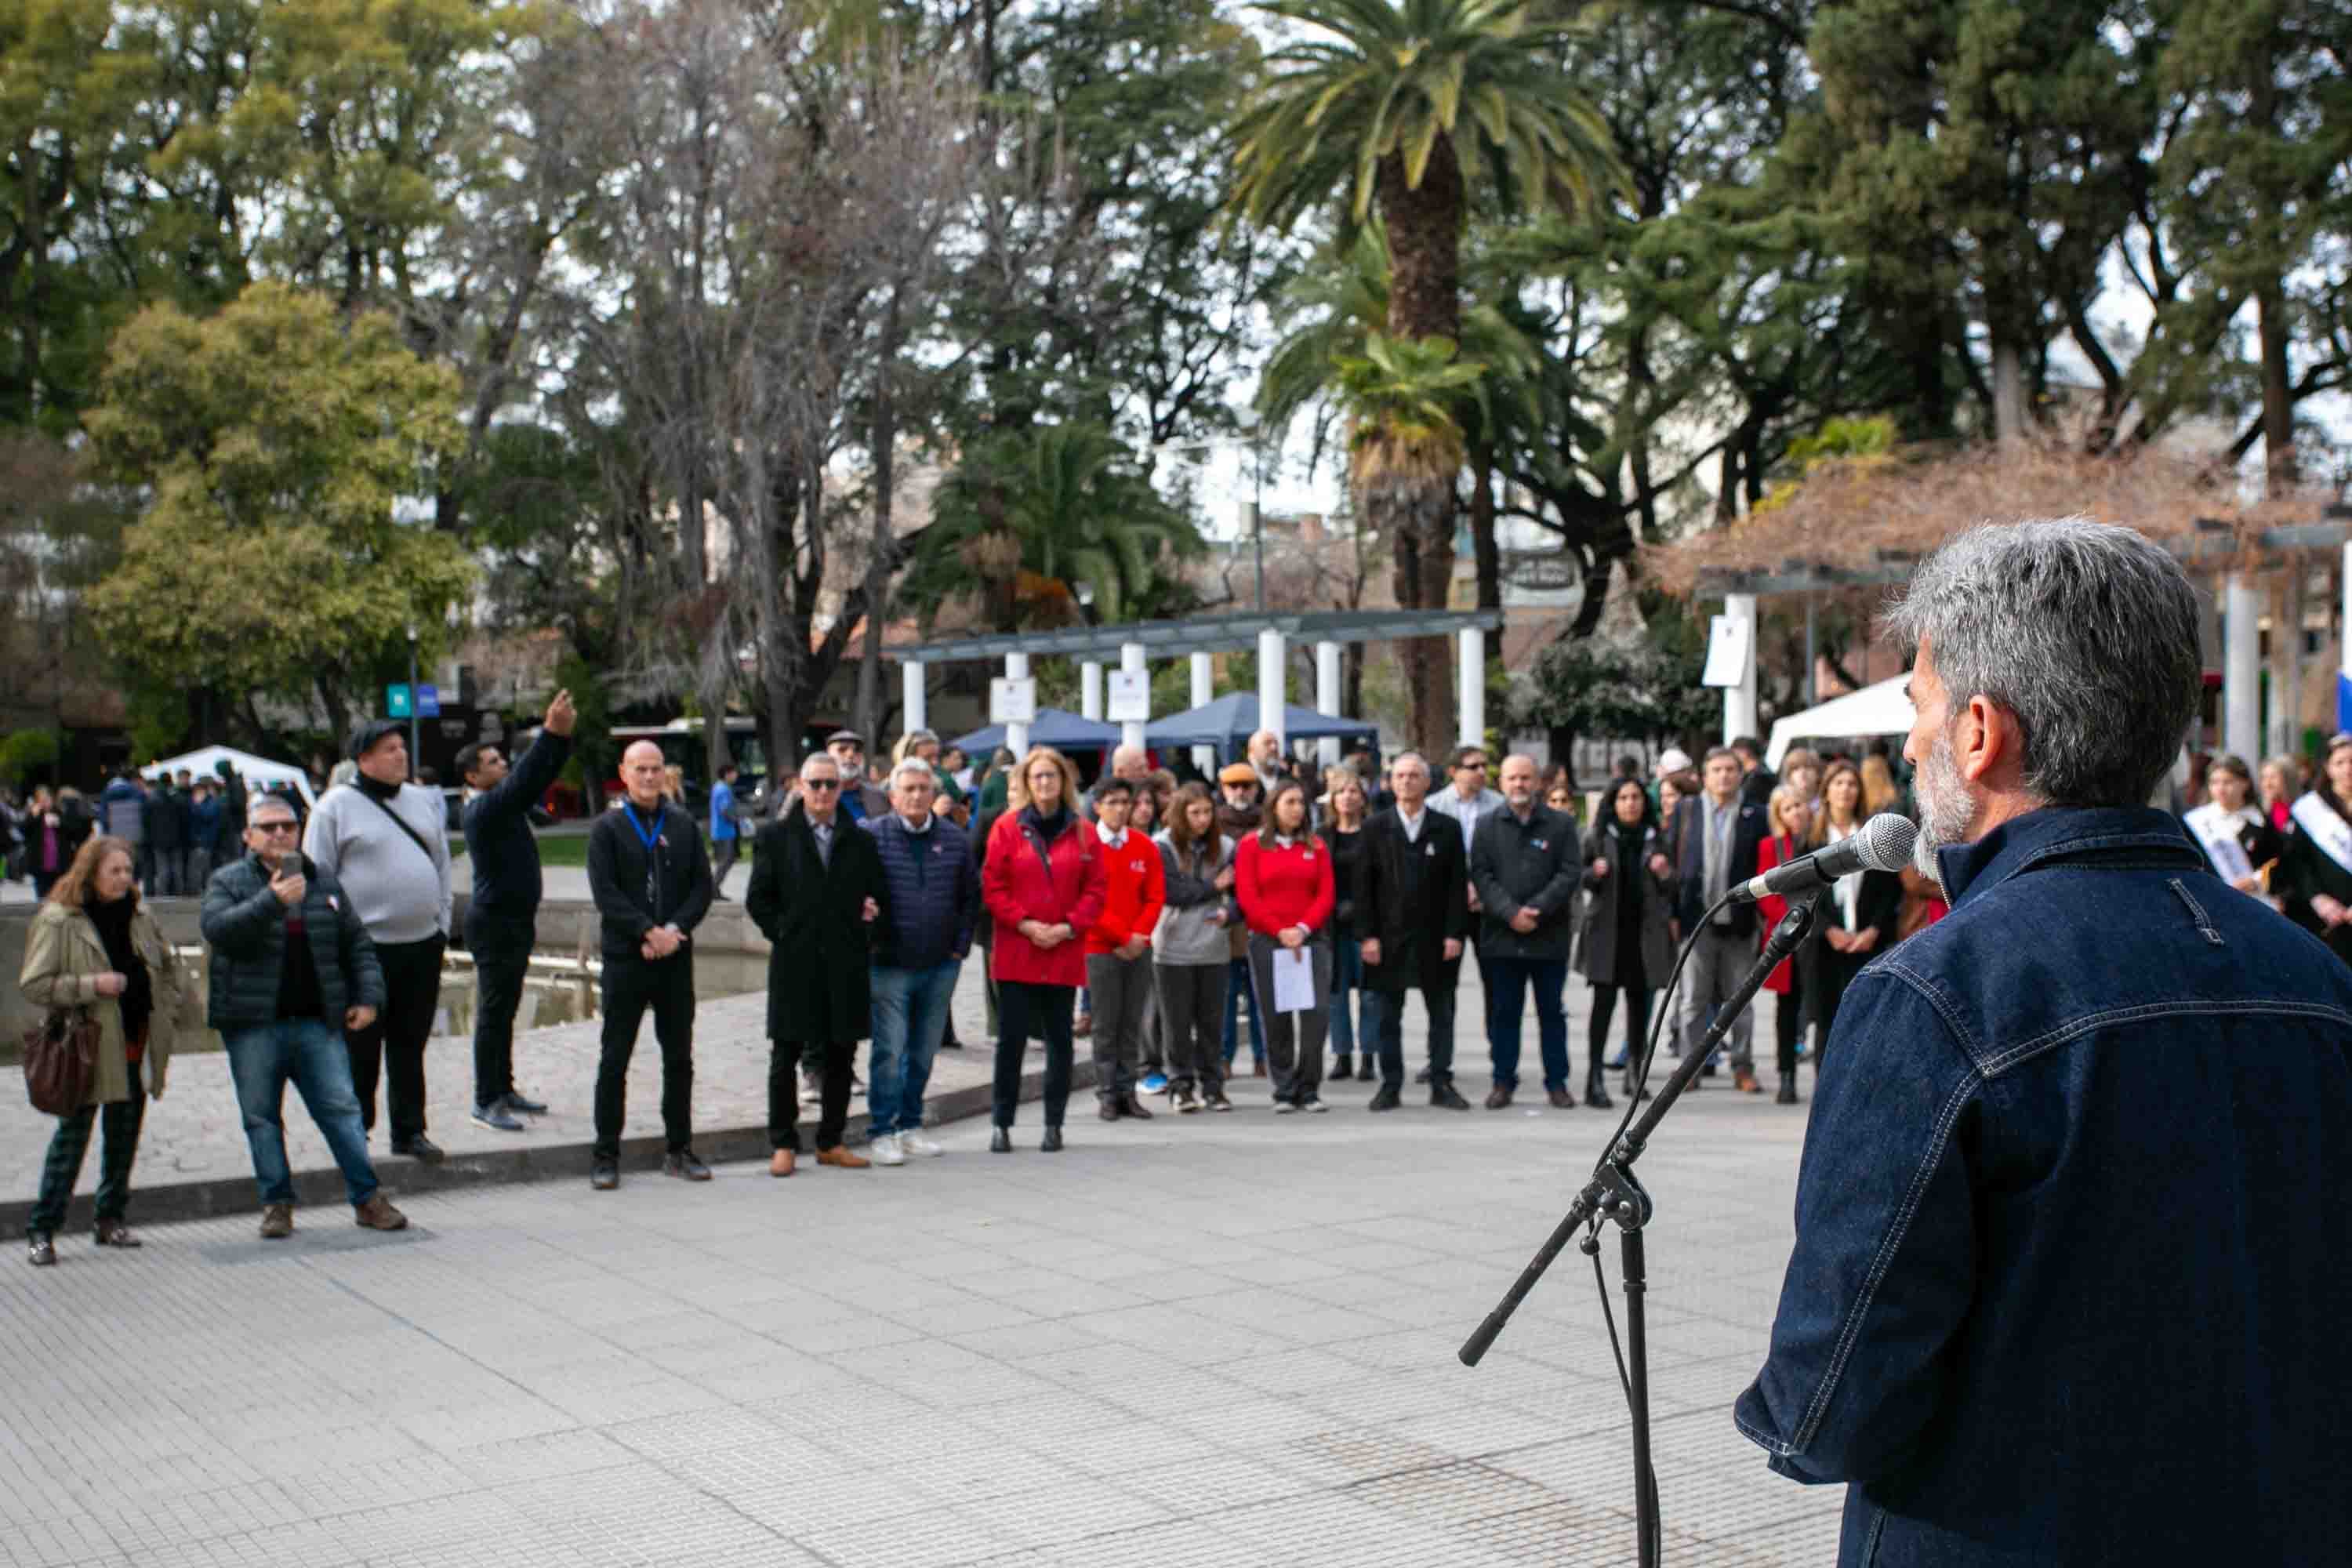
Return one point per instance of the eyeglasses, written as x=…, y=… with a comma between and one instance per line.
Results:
x=1475, y=766
x=273, y=827
x=820, y=783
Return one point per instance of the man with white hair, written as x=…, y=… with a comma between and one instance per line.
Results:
x=2072, y=1249
x=1266, y=760
x=919, y=945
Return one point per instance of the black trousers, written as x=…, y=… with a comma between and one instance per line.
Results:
x=1439, y=1005
x=1789, y=1022
x=722, y=860
x=501, y=951
x=1637, y=1025
x=1027, y=1009
x=119, y=1120
x=395, y=1044
x=831, y=1064
x=632, y=986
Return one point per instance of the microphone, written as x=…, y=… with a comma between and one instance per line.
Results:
x=1882, y=844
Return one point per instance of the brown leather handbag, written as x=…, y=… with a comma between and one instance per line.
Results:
x=60, y=1056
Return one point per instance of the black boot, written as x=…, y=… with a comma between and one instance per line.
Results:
x=1596, y=1088
x=1788, y=1095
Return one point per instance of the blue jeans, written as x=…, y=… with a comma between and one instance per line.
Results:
x=1347, y=975
x=911, y=1019
x=1508, y=979
x=261, y=1059
x=1237, y=986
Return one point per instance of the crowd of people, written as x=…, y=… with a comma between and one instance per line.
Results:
x=1171, y=916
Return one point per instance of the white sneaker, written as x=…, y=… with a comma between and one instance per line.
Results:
x=916, y=1143
x=884, y=1151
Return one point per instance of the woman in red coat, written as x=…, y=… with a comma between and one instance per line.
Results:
x=1791, y=817
x=1283, y=883
x=1042, y=884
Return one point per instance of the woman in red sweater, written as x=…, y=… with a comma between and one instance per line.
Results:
x=1282, y=879
x=1042, y=884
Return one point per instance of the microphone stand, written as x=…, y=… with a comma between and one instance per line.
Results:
x=1614, y=1195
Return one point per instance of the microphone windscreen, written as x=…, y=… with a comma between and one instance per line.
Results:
x=1887, y=840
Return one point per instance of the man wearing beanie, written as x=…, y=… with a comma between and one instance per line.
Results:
x=386, y=841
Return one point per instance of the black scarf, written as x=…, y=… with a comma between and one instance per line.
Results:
x=376, y=788
x=1625, y=839
x=1048, y=827
x=138, y=998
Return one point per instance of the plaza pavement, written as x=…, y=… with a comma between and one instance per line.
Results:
x=1191, y=1342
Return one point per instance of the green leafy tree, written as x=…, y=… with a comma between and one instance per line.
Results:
x=1047, y=519
x=278, y=442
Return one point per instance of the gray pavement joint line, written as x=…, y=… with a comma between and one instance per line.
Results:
x=395, y=1317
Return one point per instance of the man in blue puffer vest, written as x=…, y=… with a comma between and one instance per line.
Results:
x=918, y=951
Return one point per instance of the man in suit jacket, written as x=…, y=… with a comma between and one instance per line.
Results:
x=817, y=889
x=1719, y=835
x=1414, y=909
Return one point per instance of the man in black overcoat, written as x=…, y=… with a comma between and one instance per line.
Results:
x=816, y=891
x=1414, y=907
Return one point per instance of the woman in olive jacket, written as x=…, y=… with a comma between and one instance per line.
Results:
x=92, y=948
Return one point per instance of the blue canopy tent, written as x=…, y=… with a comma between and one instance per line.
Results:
x=1228, y=723
x=1054, y=727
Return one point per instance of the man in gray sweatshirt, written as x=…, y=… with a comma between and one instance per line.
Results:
x=387, y=842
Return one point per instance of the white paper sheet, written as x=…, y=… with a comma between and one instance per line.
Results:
x=1293, y=980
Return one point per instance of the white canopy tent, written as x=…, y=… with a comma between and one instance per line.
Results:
x=260, y=770
x=1878, y=709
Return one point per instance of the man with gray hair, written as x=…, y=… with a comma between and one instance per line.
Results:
x=2072, y=1249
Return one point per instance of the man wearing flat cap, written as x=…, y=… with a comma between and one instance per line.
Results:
x=862, y=800
x=386, y=840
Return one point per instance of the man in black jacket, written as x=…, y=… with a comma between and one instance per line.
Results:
x=501, y=916
x=1527, y=864
x=1413, y=907
x=291, y=968
x=651, y=881
x=1719, y=833
x=816, y=889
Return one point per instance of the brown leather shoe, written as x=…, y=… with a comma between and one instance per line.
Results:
x=276, y=1222
x=842, y=1159
x=1498, y=1097
x=1745, y=1082
x=1133, y=1108
x=782, y=1161
x=114, y=1233
x=1561, y=1099
x=377, y=1213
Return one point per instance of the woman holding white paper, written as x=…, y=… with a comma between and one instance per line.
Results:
x=2319, y=855
x=2238, y=839
x=1282, y=879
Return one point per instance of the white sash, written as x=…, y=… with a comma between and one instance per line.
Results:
x=2217, y=831
x=2329, y=831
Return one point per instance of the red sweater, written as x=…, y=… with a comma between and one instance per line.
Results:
x=1283, y=886
x=1135, y=887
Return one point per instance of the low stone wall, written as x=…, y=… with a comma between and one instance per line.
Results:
x=731, y=956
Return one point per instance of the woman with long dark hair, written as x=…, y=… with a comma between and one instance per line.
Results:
x=1345, y=806
x=1282, y=879
x=2319, y=855
x=1043, y=885
x=1622, y=945
x=1191, y=954
x=2239, y=841
x=92, y=948
x=1793, y=834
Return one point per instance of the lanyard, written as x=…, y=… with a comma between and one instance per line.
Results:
x=648, y=837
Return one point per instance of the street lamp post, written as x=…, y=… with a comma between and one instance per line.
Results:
x=414, y=734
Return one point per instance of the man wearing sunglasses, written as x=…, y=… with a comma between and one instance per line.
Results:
x=292, y=968
x=651, y=880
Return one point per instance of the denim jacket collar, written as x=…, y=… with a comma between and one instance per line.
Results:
x=2053, y=832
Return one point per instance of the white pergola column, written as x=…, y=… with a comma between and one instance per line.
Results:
x=1470, y=677
x=1091, y=690
x=2242, y=666
x=1326, y=698
x=1131, y=661
x=1739, y=701
x=2286, y=683
x=1016, y=736
x=1205, y=691
x=1270, y=684
x=911, y=680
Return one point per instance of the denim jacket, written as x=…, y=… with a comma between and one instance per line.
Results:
x=2073, y=1244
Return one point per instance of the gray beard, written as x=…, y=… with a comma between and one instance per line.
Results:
x=1945, y=809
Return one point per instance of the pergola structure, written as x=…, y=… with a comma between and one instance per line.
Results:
x=1865, y=524
x=1137, y=642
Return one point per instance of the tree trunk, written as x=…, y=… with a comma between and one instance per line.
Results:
x=2008, y=389
x=883, y=440
x=1481, y=530
x=2280, y=467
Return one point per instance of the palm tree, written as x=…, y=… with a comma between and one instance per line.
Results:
x=1402, y=107
x=1405, y=446
x=1031, y=515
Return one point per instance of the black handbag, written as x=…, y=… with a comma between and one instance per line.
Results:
x=60, y=1057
